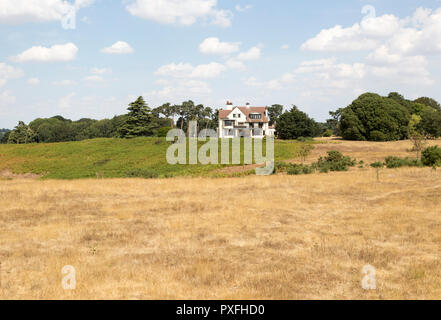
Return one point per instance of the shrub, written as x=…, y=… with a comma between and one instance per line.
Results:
x=377, y=165
x=297, y=169
x=334, y=161
x=162, y=132
x=395, y=162
x=431, y=156
x=328, y=133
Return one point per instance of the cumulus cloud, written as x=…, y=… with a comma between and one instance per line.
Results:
x=215, y=46
x=187, y=70
x=184, y=12
x=9, y=72
x=239, y=8
x=22, y=11
x=100, y=71
x=64, y=83
x=119, y=47
x=56, y=53
x=253, y=54
x=34, y=81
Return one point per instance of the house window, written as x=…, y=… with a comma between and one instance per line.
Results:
x=255, y=116
x=229, y=123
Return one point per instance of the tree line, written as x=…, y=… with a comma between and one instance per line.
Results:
x=141, y=120
x=370, y=117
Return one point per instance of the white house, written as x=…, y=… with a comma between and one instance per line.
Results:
x=244, y=121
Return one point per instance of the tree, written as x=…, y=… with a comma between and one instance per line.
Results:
x=374, y=118
x=429, y=102
x=5, y=136
x=22, y=134
x=294, y=124
x=305, y=150
x=430, y=123
x=419, y=142
x=168, y=111
x=139, y=121
x=274, y=113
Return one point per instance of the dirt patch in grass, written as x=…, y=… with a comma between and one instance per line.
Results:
x=7, y=174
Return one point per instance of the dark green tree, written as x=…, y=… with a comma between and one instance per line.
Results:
x=429, y=102
x=294, y=124
x=274, y=113
x=22, y=134
x=375, y=118
x=139, y=122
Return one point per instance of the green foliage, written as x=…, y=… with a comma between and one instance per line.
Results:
x=22, y=134
x=375, y=118
x=431, y=156
x=274, y=113
x=430, y=123
x=4, y=135
x=335, y=161
x=297, y=169
x=305, y=150
x=294, y=124
x=377, y=165
x=162, y=132
x=328, y=133
x=140, y=121
x=396, y=162
x=432, y=103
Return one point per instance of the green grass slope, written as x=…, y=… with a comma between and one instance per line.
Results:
x=108, y=158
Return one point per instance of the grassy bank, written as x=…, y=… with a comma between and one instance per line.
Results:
x=108, y=158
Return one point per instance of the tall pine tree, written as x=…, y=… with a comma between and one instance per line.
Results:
x=139, y=122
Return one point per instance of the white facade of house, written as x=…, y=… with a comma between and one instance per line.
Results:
x=244, y=121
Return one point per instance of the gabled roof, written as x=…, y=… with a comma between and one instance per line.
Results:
x=223, y=114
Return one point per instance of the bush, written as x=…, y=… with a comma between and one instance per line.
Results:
x=328, y=133
x=431, y=156
x=162, y=132
x=297, y=169
x=141, y=173
x=395, y=162
x=377, y=165
x=335, y=161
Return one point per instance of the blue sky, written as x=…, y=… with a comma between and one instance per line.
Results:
x=319, y=55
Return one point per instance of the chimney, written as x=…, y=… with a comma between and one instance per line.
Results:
x=248, y=105
x=229, y=105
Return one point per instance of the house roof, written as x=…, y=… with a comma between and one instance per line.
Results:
x=223, y=114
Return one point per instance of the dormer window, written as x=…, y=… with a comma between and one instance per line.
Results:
x=255, y=116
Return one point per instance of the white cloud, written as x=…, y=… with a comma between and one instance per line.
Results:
x=9, y=72
x=119, y=47
x=34, y=81
x=274, y=84
x=185, y=12
x=66, y=101
x=22, y=11
x=239, y=8
x=64, y=83
x=215, y=46
x=187, y=70
x=6, y=99
x=56, y=53
x=253, y=54
x=233, y=63
x=100, y=71
x=285, y=46
x=93, y=78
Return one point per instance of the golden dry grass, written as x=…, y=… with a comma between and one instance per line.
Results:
x=277, y=237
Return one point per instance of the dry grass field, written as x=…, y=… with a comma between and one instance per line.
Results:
x=276, y=237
